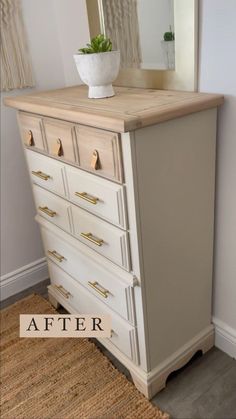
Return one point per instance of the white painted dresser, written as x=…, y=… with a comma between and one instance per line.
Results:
x=124, y=192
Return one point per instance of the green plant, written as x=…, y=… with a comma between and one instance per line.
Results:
x=169, y=36
x=98, y=44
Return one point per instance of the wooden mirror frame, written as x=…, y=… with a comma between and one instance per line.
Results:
x=184, y=77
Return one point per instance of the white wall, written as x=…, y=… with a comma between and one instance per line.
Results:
x=217, y=73
x=56, y=29
x=73, y=33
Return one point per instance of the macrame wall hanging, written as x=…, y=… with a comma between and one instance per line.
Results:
x=16, y=70
x=121, y=25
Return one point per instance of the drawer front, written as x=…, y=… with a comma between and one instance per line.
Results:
x=99, y=152
x=104, y=238
x=69, y=292
x=60, y=137
x=46, y=172
x=97, y=195
x=31, y=130
x=101, y=283
x=51, y=207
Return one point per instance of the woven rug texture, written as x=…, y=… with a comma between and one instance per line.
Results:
x=59, y=378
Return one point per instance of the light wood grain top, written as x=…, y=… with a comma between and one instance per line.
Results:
x=130, y=109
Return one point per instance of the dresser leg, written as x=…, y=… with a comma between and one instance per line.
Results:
x=53, y=301
x=147, y=389
x=141, y=385
x=151, y=383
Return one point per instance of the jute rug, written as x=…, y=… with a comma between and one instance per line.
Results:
x=61, y=378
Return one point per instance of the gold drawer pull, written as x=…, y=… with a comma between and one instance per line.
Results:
x=41, y=175
x=97, y=287
x=86, y=197
x=56, y=255
x=47, y=211
x=91, y=238
x=62, y=291
x=30, y=139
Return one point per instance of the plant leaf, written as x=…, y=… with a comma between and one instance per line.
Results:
x=98, y=44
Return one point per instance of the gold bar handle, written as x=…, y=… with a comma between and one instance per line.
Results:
x=87, y=197
x=98, y=288
x=62, y=291
x=41, y=175
x=56, y=255
x=91, y=238
x=47, y=211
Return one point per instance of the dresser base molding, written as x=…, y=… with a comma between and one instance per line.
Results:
x=150, y=383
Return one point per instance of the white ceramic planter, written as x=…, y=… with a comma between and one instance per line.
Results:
x=98, y=71
x=168, y=48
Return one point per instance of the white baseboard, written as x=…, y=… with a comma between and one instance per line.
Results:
x=225, y=337
x=23, y=278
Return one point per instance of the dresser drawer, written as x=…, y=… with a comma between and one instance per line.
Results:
x=46, y=172
x=80, y=301
x=106, y=239
x=31, y=130
x=97, y=195
x=113, y=291
x=60, y=137
x=99, y=152
x=53, y=208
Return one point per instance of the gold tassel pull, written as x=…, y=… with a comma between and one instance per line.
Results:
x=95, y=160
x=57, y=148
x=30, y=139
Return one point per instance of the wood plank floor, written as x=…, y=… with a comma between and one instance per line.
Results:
x=204, y=389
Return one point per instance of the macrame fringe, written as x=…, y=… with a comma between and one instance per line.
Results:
x=121, y=23
x=16, y=69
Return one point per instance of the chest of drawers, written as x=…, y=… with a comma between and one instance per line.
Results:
x=124, y=193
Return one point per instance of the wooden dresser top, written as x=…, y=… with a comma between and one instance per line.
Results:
x=130, y=109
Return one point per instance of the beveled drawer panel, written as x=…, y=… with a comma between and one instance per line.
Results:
x=97, y=195
x=80, y=301
x=31, y=130
x=104, y=238
x=99, y=152
x=46, y=172
x=60, y=137
x=52, y=207
x=111, y=290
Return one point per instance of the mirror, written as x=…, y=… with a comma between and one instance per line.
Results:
x=143, y=23
x=137, y=28
x=156, y=23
